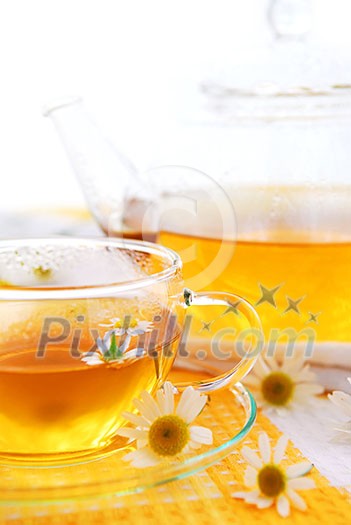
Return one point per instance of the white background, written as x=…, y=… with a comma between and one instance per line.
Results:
x=135, y=62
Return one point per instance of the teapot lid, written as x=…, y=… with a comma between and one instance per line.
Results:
x=292, y=77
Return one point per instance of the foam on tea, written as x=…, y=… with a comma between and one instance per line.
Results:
x=72, y=267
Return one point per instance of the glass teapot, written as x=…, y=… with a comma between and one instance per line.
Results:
x=274, y=222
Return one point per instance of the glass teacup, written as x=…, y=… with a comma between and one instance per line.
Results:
x=86, y=325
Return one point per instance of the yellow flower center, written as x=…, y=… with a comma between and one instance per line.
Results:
x=271, y=481
x=132, y=324
x=42, y=273
x=277, y=388
x=168, y=435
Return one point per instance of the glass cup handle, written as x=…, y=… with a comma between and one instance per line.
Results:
x=248, y=358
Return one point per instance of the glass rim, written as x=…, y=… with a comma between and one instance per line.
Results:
x=31, y=293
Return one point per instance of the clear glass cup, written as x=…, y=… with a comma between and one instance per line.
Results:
x=88, y=324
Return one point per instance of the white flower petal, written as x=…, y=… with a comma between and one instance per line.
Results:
x=296, y=500
x=239, y=495
x=301, y=483
x=280, y=449
x=160, y=400
x=190, y=404
x=119, y=331
x=144, y=410
x=342, y=400
x=140, y=328
x=169, y=397
x=93, y=359
x=139, y=421
x=132, y=433
x=305, y=375
x=264, y=503
x=293, y=365
x=251, y=457
x=300, y=469
x=304, y=390
x=261, y=369
x=247, y=496
x=141, y=458
x=253, y=497
x=345, y=428
x=282, y=411
x=132, y=332
x=193, y=445
x=191, y=411
x=272, y=363
x=250, y=476
x=148, y=400
x=201, y=435
x=187, y=398
x=265, y=447
x=283, y=506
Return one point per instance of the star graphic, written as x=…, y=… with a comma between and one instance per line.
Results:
x=268, y=295
x=206, y=326
x=293, y=305
x=232, y=308
x=313, y=317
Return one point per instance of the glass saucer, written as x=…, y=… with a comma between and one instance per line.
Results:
x=113, y=477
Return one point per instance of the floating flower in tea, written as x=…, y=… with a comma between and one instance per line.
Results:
x=108, y=351
x=130, y=326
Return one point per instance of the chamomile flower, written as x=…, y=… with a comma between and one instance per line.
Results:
x=270, y=482
x=163, y=430
x=343, y=402
x=107, y=349
x=282, y=386
x=130, y=326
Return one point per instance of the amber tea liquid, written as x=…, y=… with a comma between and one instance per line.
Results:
x=58, y=404
x=318, y=274
x=293, y=241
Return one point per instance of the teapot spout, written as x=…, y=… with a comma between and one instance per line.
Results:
x=104, y=173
